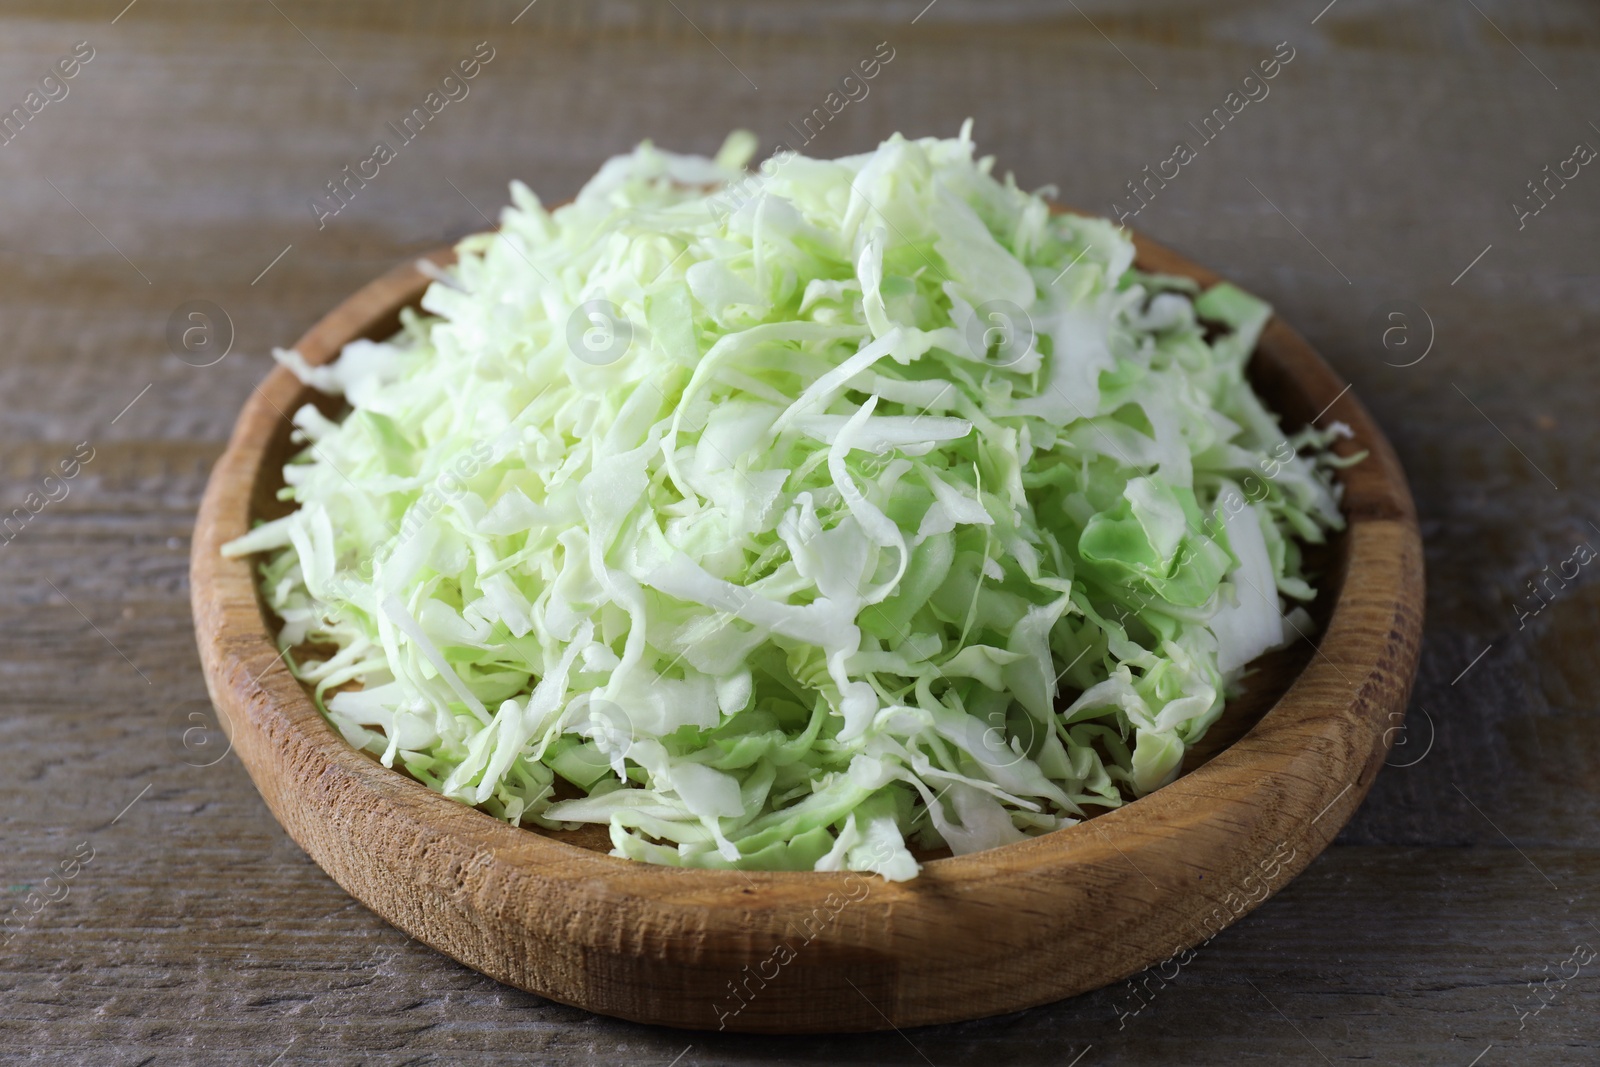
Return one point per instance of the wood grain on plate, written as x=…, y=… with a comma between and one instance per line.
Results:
x=973, y=935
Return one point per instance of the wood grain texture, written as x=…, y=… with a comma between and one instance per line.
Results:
x=202, y=935
x=974, y=935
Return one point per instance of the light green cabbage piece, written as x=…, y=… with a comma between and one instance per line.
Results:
x=794, y=520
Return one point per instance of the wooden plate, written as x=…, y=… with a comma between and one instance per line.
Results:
x=974, y=935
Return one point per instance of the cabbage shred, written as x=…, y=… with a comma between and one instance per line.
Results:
x=807, y=520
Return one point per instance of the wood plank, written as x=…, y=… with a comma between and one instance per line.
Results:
x=306, y=964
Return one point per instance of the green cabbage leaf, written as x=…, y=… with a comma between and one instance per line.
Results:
x=820, y=517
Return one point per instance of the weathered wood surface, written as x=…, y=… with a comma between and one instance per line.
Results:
x=1394, y=142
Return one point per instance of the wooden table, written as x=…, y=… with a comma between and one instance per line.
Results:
x=1368, y=196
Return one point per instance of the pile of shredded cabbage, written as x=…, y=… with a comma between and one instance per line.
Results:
x=794, y=520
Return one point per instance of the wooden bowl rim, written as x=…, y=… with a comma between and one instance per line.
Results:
x=1319, y=723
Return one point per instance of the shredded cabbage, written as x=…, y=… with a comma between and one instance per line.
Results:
x=818, y=519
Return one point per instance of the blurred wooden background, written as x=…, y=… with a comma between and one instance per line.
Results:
x=1377, y=179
